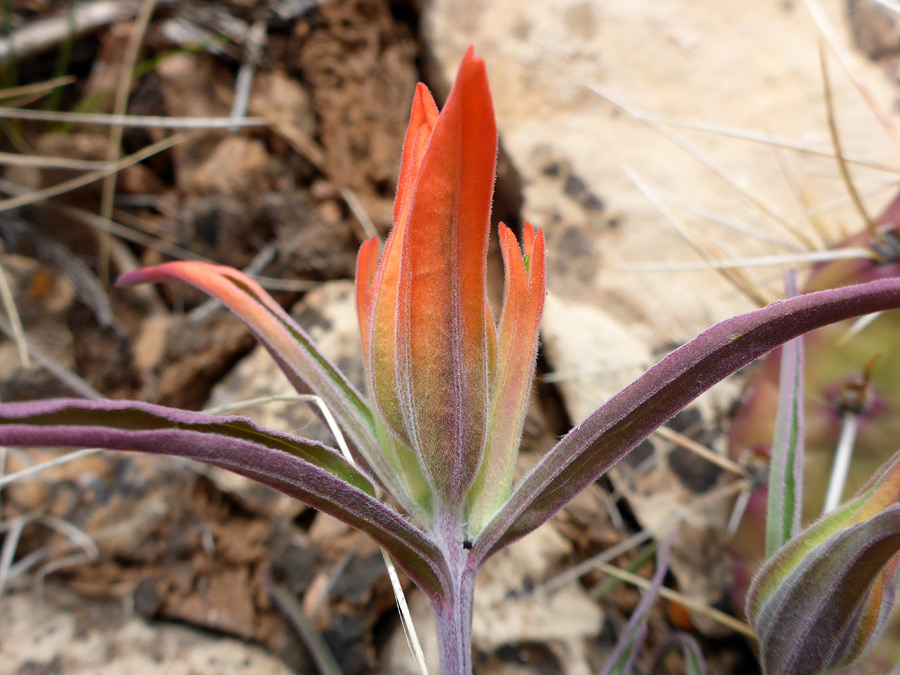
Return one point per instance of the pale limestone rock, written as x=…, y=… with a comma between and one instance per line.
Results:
x=43, y=636
x=750, y=65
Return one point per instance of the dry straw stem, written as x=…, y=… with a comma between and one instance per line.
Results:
x=37, y=88
x=48, y=162
x=409, y=628
x=807, y=257
x=253, y=41
x=626, y=545
x=836, y=142
x=702, y=451
x=711, y=612
x=114, y=146
x=765, y=139
x=696, y=154
x=90, y=177
x=730, y=223
x=45, y=33
x=701, y=245
x=828, y=32
x=54, y=367
x=15, y=321
x=154, y=121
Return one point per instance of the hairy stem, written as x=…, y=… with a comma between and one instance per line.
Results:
x=453, y=608
x=453, y=618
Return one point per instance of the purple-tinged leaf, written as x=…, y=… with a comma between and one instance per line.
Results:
x=294, y=351
x=632, y=638
x=834, y=605
x=611, y=431
x=785, y=495
x=301, y=468
x=825, y=597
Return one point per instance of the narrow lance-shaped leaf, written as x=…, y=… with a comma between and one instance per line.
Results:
x=785, y=496
x=301, y=468
x=632, y=638
x=611, y=431
x=513, y=370
x=296, y=354
x=824, y=598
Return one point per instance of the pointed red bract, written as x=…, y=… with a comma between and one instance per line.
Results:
x=513, y=369
x=424, y=316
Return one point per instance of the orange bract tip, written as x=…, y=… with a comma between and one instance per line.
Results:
x=528, y=237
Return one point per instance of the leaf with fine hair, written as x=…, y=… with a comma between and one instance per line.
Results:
x=293, y=350
x=785, y=495
x=824, y=598
x=300, y=468
x=835, y=605
x=611, y=431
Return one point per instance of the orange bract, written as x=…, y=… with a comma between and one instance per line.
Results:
x=432, y=350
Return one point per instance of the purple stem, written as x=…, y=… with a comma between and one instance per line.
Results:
x=453, y=608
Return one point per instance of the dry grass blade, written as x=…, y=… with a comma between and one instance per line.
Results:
x=402, y=606
x=59, y=461
x=701, y=451
x=152, y=121
x=763, y=138
x=37, y=88
x=613, y=552
x=46, y=32
x=91, y=177
x=841, y=202
x=836, y=141
x=253, y=41
x=828, y=32
x=761, y=261
x=120, y=230
x=361, y=214
x=816, y=226
x=696, y=154
x=15, y=321
x=13, y=532
x=54, y=367
x=729, y=223
x=46, y=162
x=734, y=277
x=113, y=148
x=711, y=612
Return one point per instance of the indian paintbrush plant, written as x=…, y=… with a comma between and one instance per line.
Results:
x=447, y=382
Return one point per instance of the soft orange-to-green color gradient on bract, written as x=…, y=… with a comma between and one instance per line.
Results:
x=445, y=380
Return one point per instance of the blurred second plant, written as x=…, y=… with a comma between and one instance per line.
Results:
x=447, y=383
